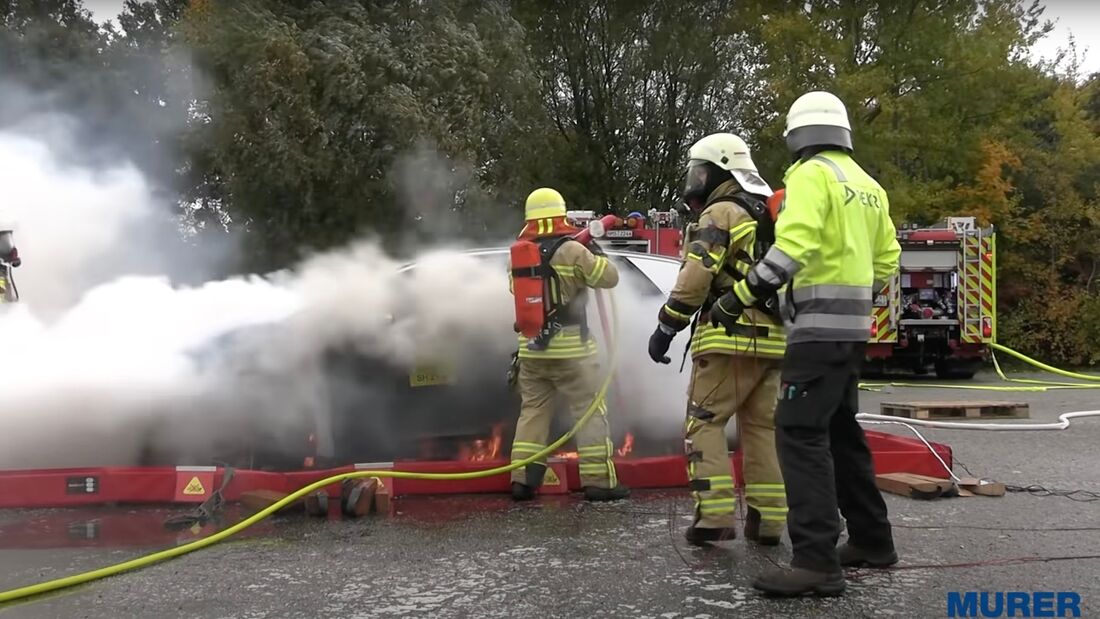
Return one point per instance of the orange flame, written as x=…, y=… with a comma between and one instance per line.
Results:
x=628, y=446
x=482, y=449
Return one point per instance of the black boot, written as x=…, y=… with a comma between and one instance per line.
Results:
x=522, y=492
x=752, y=530
x=852, y=556
x=700, y=536
x=796, y=581
x=533, y=473
x=617, y=493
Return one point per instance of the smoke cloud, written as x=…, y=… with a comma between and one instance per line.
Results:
x=109, y=360
x=103, y=363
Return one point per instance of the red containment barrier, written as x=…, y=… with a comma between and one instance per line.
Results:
x=109, y=485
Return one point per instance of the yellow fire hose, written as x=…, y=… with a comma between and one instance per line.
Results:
x=163, y=555
x=1045, y=368
x=1022, y=384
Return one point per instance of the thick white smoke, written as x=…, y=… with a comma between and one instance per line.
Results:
x=104, y=359
x=649, y=398
x=94, y=372
x=73, y=225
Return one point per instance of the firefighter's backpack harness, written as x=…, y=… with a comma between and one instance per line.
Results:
x=764, y=214
x=540, y=312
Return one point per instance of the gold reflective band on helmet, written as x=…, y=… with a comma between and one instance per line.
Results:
x=544, y=203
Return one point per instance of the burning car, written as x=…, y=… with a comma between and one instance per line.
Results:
x=450, y=400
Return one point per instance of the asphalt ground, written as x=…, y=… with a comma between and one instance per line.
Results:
x=560, y=557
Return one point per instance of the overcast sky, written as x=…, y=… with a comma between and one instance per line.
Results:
x=1081, y=18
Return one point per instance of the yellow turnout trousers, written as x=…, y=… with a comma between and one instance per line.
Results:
x=724, y=385
x=577, y=381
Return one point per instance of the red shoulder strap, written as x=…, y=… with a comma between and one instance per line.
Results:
x=539, y=228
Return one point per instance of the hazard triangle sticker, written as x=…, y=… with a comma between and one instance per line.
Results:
x=551, y=478
x=194, y=487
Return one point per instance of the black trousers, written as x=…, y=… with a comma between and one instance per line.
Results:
x=824, y=456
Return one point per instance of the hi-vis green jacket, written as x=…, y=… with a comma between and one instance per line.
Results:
x=835, y=247
x=718, y=254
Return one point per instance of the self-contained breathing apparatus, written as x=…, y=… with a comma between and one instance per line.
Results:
x=540, y=312
x=764, y=214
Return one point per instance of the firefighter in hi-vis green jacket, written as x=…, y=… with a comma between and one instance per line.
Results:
x=835, y=247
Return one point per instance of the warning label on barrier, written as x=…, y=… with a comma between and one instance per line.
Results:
x=556, y=480
x=194, y=487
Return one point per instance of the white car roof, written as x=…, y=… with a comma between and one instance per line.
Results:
x=491, y=251
x=660, y=270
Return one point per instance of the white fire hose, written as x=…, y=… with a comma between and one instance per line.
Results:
x=1062, y=423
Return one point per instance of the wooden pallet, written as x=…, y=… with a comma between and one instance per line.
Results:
x=927, y=488
x=963, y=409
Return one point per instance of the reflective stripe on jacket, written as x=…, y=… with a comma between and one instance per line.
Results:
x=835, y=245
x=722, y=245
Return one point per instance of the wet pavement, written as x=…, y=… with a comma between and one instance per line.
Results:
x=484, y=556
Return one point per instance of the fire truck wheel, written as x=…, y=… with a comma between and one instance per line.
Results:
x=956, y=370
x=873, y=369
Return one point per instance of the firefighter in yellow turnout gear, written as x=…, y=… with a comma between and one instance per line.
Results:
x=735, y=374
x=565, y=361
x=9, y=259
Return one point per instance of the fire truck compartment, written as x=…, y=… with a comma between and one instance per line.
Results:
x=916, y=258
x=923, y=322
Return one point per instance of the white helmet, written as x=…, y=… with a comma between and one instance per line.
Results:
x=818, y=119
x=728, y=153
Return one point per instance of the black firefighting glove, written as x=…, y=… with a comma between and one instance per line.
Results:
x=726, y=311
x=659, y=343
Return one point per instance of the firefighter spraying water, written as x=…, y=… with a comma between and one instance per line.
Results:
x=551, y=273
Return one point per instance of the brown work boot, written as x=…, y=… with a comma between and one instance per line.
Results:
x=853, y=556
x=617, y=493
x=797, y=581
x=702, y=536
x=752, y=530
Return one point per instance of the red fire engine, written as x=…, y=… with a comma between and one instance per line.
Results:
x=940, y=310
x=657, y=232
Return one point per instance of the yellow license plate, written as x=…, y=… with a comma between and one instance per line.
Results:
x=428, y=376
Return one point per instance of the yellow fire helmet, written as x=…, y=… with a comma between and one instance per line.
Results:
x=544, y=203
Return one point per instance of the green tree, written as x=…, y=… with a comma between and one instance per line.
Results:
x=314, y=105
x=51, y=62
x=1052, y=257
x=628, y=87
x=926, y=83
